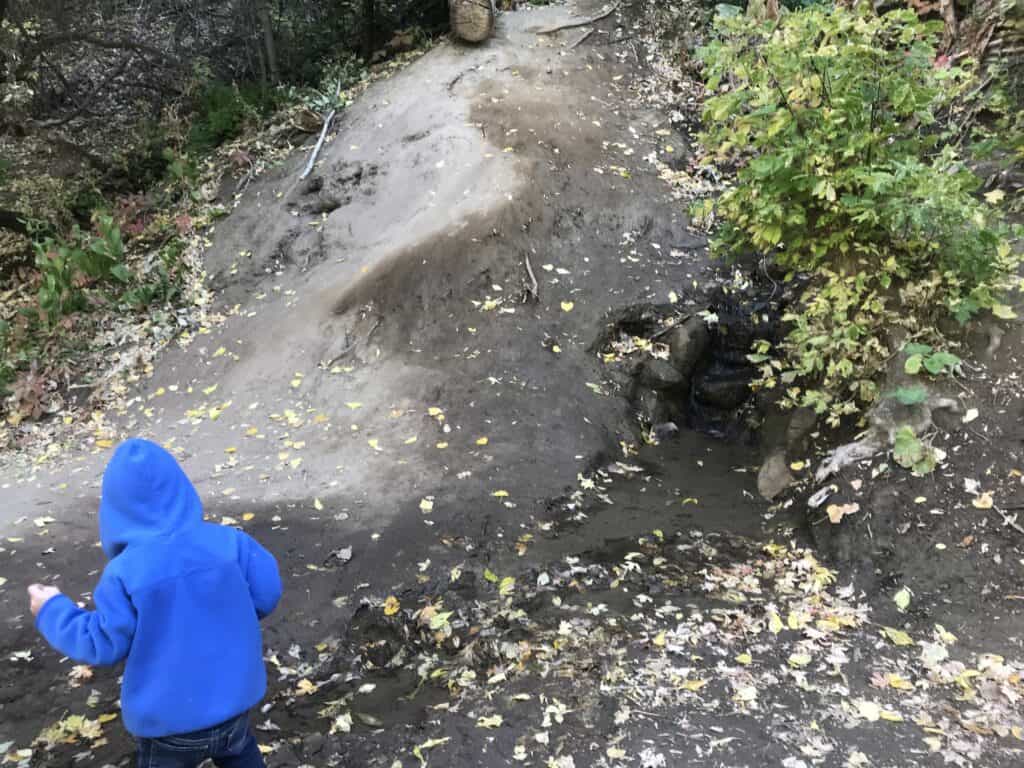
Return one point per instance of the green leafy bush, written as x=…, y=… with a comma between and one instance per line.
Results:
x=222, y=111
x=66, y=267
x=835, y=121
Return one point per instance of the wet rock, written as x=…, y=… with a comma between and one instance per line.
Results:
x=687, y=344
x=723, y=389
x=651, y=407
x=774, y=476
x=660, y=374
x=801, y=423
x=313, y=744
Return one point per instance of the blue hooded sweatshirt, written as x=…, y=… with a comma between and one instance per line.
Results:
x=181, y=599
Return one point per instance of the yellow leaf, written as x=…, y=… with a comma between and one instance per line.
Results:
x=220, y=351
x=232, y=449
x=744, y=659
x=490, y=576
x=374, y=443
x=995, y=196
x=694, y=685
x=248, y=516
x=494, y=721
x=796, y=466
x=442, y=445
x=318, y=505
x=567, y=306
x=305, y=687
x=210, y=390
x=482, y=441
x=391, y=606
x=105, y=443
x=426, y=505
x=984, y=501
x=799, y=660
x=836, y=512
x=500, y=494
x=108, y=717
x=659, y=640
x=892, y=717
x=354, y=406
x=774, y=624
x=410, y=440
x=897, y=636
x=507, y=586
x=947, y=638
x=435, y=411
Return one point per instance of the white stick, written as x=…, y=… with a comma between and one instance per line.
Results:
x=319, y=144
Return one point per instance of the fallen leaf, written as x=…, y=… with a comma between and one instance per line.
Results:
x=902, y=599
x=318, y=505
x=836, y=512
x=897, y=636
x=494, y=721
x=426, y=505
x=567, y=306
x=391, y=606
x=984, y=501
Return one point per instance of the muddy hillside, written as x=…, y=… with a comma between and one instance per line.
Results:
x=478, y=385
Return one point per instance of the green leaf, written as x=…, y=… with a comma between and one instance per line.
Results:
x=917, y=349
x=937, y=363
x=913, y=364
x=910, y=395
x=1003, y=312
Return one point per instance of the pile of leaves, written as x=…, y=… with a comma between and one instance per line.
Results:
x=702, y=630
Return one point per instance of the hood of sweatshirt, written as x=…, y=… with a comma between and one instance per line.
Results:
x=146, y=494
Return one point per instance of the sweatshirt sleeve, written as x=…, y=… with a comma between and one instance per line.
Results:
x=260, y=569
x=97, y=637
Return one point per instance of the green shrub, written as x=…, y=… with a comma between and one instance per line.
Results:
x=222, y=111
x=836, y=122
x=66, y=267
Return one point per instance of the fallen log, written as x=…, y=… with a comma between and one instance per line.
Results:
x=472, y=20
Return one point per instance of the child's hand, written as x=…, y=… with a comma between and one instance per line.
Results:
x=38, y=596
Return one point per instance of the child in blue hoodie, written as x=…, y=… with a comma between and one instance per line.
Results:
x=181, y=600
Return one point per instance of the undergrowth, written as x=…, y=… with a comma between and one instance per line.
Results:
x=841, y=126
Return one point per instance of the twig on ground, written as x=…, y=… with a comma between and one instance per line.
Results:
x=580, y=42
x=584, y=23
x=534, y=289
x=1009, y=520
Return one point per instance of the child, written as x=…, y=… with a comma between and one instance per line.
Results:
x=181, y=599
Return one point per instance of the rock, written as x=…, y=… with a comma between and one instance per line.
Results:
x=723, y=387
x=650, y=406
x=660, y=374
x=774, y=476
x=801, y=423
x=313, y=744
x=472, y=20
x=687, y=344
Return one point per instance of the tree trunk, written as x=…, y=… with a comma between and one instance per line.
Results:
x=270, y=47
x=369, y=28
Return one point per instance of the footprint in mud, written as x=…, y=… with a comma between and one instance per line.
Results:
x=335, y=188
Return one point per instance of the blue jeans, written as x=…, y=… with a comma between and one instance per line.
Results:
x=229, y=745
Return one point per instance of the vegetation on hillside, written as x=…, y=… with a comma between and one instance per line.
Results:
x=847, y=133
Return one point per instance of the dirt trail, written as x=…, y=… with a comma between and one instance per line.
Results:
x=395, y=410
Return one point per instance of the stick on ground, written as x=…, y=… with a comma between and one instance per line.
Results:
x=584, y=23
